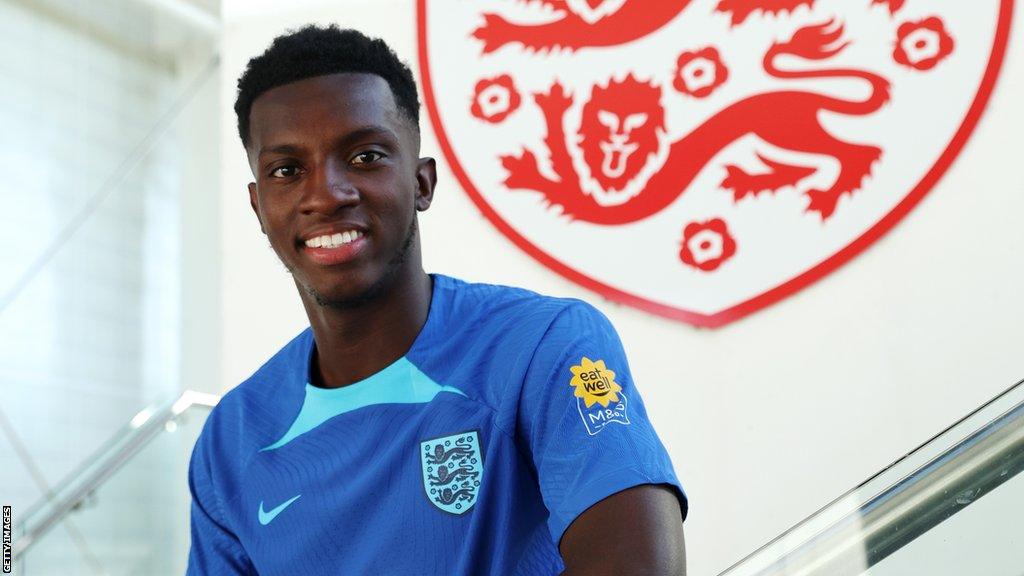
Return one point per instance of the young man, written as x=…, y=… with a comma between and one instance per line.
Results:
x=422, y=425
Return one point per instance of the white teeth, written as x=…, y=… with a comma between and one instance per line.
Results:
x=334, y=240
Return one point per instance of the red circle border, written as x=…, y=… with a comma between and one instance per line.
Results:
x=773, y=295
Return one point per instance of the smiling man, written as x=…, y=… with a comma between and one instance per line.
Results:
x=422, y=424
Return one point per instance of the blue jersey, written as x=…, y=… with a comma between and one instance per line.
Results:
x=509, y=416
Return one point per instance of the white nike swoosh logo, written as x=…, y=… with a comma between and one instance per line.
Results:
x=268, y=517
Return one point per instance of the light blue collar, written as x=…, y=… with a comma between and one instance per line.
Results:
x=399, y=383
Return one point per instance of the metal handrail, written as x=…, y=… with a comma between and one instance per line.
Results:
x=143, y=428
x=900, y=513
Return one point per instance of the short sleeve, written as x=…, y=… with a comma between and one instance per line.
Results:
x=215, y=550
x=583, y=421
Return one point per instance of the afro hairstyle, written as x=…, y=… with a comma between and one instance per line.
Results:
x=315, y=51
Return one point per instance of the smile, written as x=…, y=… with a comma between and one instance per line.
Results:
x=330, y=249
x=334, y=240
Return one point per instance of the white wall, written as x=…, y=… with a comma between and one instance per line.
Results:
x=89, y=112
x=769, y=418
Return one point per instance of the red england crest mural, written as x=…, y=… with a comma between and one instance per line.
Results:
x=702, y=159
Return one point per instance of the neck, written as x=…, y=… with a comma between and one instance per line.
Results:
x=355, y=343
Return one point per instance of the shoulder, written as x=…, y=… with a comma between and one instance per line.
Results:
x=248, y=414
x=485, y=336
x=513, y=307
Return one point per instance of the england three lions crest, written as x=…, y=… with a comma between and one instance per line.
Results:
x=702, y=159
x=453, y=469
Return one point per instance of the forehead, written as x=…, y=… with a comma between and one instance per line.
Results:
x=323, y=107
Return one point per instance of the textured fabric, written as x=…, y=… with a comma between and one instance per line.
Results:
x=510, y=415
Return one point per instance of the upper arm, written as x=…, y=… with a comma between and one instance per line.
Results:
x=634, y=532
x=214, y=547
x=585, y=425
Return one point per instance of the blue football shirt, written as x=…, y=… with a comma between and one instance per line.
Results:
x=510, y=415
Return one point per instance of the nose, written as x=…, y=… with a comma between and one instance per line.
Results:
x=329, y=189
x=619, y=139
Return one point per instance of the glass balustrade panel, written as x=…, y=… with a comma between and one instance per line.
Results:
x=136, y=522
x=985, y=538
x=976, y=530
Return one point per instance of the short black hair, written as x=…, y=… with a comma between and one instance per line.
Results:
x=315, y=51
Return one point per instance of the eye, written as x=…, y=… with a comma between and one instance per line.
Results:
x=286, y=171
x=368, y=157
x=610, y=120
x=634, y=121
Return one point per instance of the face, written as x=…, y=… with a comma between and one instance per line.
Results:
x=338, y=184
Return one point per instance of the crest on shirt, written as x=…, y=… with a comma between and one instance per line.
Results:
x=599, y=398
x=453, y=467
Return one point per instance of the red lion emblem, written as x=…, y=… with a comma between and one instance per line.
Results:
x=786, y=119
x=619, y=133
x=594, y=23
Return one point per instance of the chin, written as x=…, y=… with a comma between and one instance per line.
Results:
x=352, y=293
x=365, y=282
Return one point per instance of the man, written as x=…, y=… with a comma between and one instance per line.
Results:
x=422, y=425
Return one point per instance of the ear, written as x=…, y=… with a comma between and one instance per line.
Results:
x=254, y=203
x=426, y=179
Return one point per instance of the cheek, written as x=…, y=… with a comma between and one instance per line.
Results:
x=276, y=227
x=399, y=202
x=647, y=143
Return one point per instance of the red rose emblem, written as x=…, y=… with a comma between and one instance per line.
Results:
x=706, y=245
x=700, y=73
x=495, y=98
x=922, y=44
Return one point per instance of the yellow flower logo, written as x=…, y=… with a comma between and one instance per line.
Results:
x=594, y=383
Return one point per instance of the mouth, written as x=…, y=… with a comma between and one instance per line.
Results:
x=615, y=157
x=335, y=248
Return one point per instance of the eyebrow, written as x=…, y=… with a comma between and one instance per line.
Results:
x=349, y=138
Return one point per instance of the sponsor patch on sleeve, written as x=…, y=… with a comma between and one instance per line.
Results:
x=599, y=398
